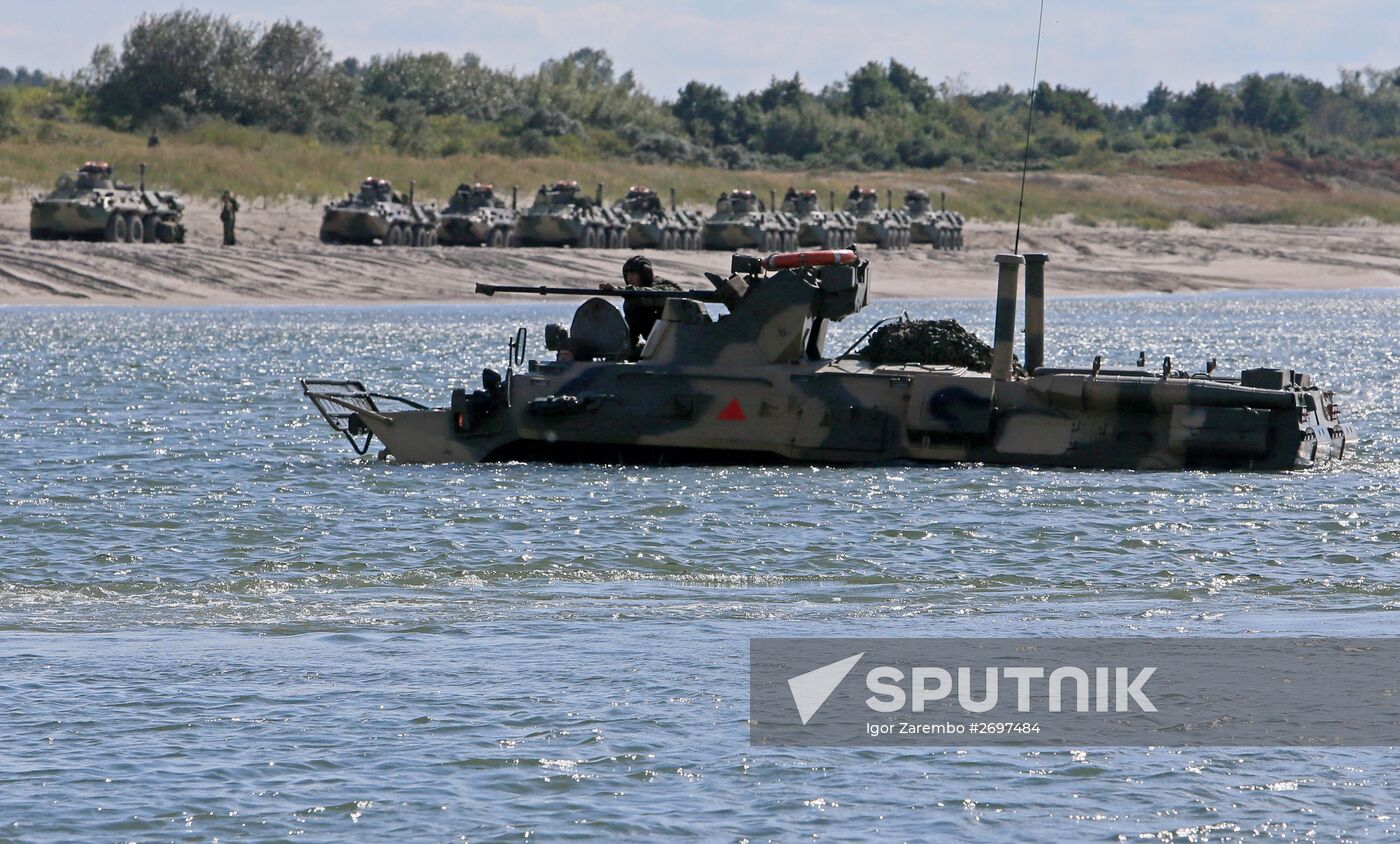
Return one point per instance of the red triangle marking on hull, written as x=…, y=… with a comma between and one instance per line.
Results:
x=733, y=412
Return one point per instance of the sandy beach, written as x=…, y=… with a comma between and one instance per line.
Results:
x=280, y=260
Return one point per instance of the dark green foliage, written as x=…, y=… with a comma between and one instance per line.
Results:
x=942, y=342
x=23, y=77
x=177, y=69
x=1201, y=109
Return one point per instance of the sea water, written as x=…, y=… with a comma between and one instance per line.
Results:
x=217, y=623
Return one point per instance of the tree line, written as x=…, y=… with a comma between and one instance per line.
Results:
x=174, y=70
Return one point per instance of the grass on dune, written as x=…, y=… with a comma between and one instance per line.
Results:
x=255, y=163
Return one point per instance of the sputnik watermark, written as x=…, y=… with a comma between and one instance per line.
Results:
x=1179, y=691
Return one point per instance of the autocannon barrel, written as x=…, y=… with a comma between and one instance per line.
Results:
x=544, y=290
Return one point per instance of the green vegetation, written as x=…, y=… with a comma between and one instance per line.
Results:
x=268, y=111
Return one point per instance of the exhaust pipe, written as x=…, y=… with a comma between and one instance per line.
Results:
x=673, y=200
x=1035, y=310
x=599, y=195
x=943, y=200
x=889, y=198
x=143, y=176
x=514, y=193
x=412, y=183
x=831, y=198
x=1008, y=277
x=772, y=199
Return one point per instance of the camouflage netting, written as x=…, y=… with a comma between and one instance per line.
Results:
x=933, y=341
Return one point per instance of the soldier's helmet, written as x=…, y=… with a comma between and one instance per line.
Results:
x=916, y=195
x=640, y=265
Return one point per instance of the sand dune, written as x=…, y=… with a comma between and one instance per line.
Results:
x=279, y=259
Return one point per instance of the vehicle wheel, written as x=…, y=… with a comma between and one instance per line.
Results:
x=148, y=228
x=116, y=229
x=497, y=239
x=393, y=237
x=135, y=230
x=431, y=236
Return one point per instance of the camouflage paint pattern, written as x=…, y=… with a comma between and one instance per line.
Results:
x=755, y=387
x=86, y=205
x=379, y=214
x=818, y=228
x=940, y=228
x=562, y=215
x=883, y=227
x=475, y=216
x=651, y=226
x=742, y=221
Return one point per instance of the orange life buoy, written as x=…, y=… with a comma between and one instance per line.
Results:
x=814, y=258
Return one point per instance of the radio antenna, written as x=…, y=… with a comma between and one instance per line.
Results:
x=1030, y=114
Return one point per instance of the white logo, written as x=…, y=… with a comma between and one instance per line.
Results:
x=810, y=690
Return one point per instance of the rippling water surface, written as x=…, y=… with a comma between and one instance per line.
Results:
x=215, y=622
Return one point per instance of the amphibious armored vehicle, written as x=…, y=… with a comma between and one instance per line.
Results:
x=380, y=214
x=563, y=215
x=938, y=227
x=652, y=226
x=90, y=204
x=476, y=216
x=742, y=221
x=885, y=227
x=819, y=228
x=757, y=385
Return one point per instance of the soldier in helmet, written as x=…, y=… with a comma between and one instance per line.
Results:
x=641, y=314
x=228, y=215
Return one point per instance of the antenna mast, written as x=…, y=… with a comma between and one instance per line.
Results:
x=1030, y=113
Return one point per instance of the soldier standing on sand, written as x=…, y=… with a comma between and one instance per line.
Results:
x=228, y=215
x=641, y=314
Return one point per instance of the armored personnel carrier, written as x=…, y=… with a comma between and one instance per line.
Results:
x=938, y=227
x=652, y=226
x=475, y=216
x=818, y=228
x=563, y=215
x=886, y=228
x=380, y=214
x=757, y=385
x=90, y=204
x=742, y=221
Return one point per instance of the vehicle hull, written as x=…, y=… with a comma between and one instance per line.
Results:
x=848, y=412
